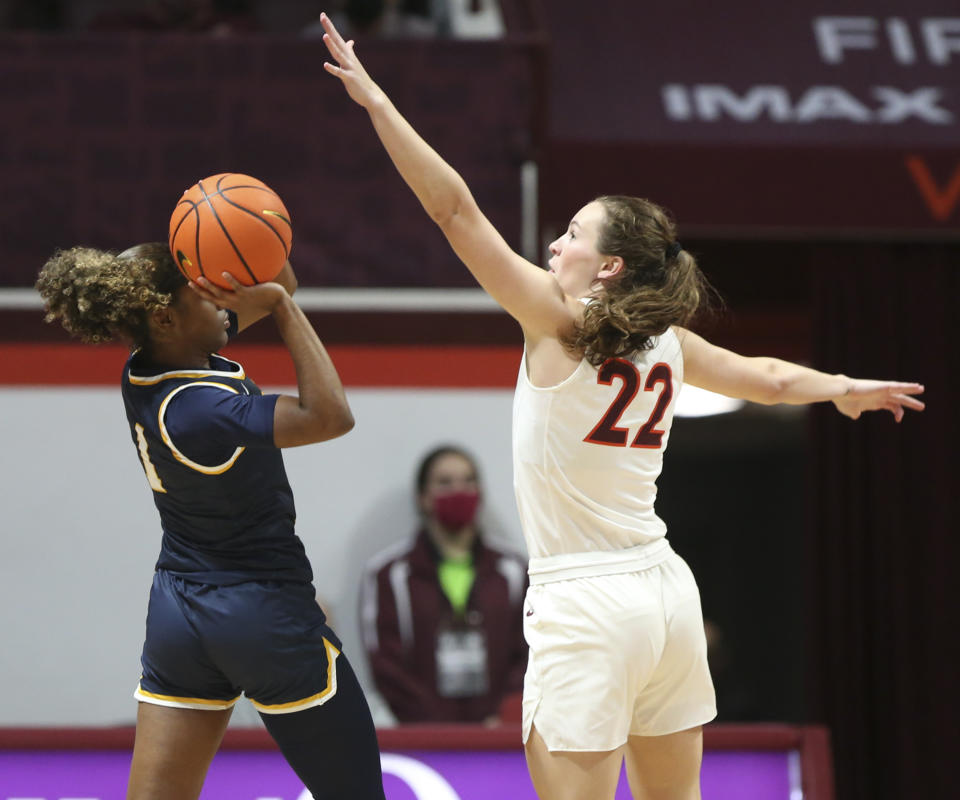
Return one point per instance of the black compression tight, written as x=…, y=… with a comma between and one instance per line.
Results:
x=333, y=748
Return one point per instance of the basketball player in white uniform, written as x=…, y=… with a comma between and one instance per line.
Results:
x=617, y=665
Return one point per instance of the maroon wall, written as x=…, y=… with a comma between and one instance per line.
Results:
x=743, y=119
x=102, y=133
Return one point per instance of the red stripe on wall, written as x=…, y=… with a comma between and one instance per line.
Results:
x=270, y=365
x=505, y=736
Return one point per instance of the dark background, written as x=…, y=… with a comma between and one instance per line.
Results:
x=823, y=547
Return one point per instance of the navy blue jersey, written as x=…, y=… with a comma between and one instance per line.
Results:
x=205, y=440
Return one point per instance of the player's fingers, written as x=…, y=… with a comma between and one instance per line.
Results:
x=909, y=388
x=331, y=29
x=206, y=286
x=910, y=402
x=234, y=283
x=895, y=408
x=334, y=49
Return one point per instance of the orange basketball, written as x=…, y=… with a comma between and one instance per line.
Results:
x=230, y=223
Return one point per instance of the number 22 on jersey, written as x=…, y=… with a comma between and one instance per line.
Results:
x=606, y=431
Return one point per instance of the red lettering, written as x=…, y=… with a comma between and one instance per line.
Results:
x=941, y=202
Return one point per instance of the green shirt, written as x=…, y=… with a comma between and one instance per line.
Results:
x=456, y=579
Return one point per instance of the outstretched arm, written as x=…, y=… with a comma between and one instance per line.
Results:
x=528, y=293
x=771, y=380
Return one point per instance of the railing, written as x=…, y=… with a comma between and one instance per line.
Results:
x=792, y=758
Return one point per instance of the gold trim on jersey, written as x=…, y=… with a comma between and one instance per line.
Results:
x=214, y=470
x=314, y=700
x=151, y=380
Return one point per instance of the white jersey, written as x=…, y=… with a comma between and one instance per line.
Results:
x=587, y=453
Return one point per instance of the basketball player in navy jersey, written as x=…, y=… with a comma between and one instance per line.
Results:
x=617, y=666
x=232, y=610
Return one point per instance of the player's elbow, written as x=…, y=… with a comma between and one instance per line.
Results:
x=771, y=389
x=451, y=205
x=755, y=380
x=767, y=396
x=302, y=426
x=445, y=214
x=344, y=422
x=333, y=424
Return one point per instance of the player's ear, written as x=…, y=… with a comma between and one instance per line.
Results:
x=161, y=321
x=611, y=267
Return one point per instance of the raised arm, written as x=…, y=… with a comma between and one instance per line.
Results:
x=320, y=411
x=527, y=292
x=771, y=380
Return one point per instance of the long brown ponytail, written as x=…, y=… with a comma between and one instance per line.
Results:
x=659, y=286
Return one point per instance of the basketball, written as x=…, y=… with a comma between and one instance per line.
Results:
x=230, y=223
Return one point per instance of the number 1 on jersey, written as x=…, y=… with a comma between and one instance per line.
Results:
x=152, y=478
x=606, y=431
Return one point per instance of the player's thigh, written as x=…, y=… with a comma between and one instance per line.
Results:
x=173, y=750
x=679, y=694
x=593, y=643
x=571, y=775
x=665, y=767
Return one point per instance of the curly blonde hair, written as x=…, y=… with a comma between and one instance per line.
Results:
x=99, y=296
x=659, y=286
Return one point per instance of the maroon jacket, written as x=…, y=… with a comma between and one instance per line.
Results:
x=402, y=606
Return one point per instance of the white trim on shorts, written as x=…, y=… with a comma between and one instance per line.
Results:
x=170, y=701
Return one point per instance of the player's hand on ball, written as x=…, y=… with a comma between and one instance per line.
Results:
x=358, y=84
x=233, y=221
x=257, y=300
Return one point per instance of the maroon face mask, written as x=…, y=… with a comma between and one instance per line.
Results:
x=457, y=509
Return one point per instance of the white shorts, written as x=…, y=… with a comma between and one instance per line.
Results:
x=615, y=656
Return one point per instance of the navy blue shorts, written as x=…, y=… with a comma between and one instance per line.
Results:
x=207, y=645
